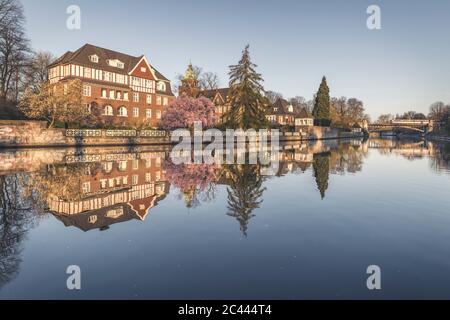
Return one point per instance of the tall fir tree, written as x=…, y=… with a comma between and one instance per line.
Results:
x=245, y=192
x=321, y=166
x=247, y=102
x=322, y=110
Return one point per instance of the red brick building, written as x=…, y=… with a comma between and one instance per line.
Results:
x=120, y=89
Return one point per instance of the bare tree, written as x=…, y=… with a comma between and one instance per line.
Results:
x=385, y=118
x=14, y=48
x=438, y=111
x=273, y=96
x=209, y=81
x=37, y=72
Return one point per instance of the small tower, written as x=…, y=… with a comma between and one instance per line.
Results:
x=189, y=83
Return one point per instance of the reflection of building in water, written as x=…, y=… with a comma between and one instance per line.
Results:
x=112, y=192
x=407, y=149
x=296, y=160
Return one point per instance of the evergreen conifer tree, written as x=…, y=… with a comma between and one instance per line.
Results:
x=321, y=111
x=247, y=102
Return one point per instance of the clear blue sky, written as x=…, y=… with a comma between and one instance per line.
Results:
x=403, y=66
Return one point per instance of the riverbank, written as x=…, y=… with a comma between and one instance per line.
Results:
x=438, y=138
x=35, y=134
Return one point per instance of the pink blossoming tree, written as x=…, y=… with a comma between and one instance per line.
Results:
x=184, y=111
x=192, y=180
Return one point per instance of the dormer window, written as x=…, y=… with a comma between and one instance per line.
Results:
x=94, y=58
x=290, y=108
x=275, y=109
x=116, y=63
x=161, y=86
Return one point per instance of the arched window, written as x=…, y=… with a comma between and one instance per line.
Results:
x=108, y=111
x=123, y=112
x=161, y=86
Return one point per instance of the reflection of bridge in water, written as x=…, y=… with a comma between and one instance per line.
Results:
x=406, y=149
x=400, y=126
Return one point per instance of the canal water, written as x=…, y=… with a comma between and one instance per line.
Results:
x=139, y=226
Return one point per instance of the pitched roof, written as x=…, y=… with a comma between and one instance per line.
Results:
x=281, y=107
x=82, y=57
x=211, y=94
x=303, y=114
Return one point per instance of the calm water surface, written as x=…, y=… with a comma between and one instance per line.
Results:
x=141, y=227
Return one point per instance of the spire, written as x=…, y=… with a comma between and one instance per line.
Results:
x=190, y=74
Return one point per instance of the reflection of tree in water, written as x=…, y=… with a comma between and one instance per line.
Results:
x=196, y=182
x=23, y=199
x=244, y=192
x=62, y=181
x=441, y=159
x=347, y=158
x=17, y=216
x=321, y=168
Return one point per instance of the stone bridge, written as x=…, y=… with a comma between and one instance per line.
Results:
x=398, y=126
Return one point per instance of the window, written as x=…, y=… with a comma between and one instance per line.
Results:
x=107, y=166
x=119, y=95
x=116, y=63
x=92, y=219
x=158, y=114
x=136, y=81
x=143, y=69
x=135, y=164
x=165, y=101
x=87, y=72
x=125, y=96
x=86, y=91
x=94, y=58
x=103, y=183
x=158, y=176
x=135, y=97
x=120, y=78
x=149, y=99
x=88, y=107
x=107, y=76
x=112, y=94
x=123, y=112
x=148, y=177
x=122, y=166
x=158, y=100
x=108, y=111
x=134, y=180
x=135, y=112
x=104, y=93
x=148, y=113
x=161, y=86
x=86, y=187
x=149, y=83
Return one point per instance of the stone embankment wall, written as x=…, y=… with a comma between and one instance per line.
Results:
x=36, y=134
